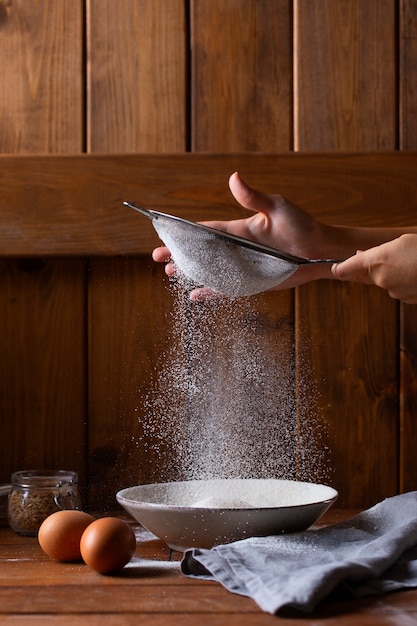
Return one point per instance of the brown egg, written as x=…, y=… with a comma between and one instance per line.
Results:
x=60, y=534
x=108, y=544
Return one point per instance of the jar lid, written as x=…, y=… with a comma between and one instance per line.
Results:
x=44, y=478
x=5, y=489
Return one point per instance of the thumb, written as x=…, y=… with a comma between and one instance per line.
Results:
x=337, y=271
x=247, y=197
x=351, y=269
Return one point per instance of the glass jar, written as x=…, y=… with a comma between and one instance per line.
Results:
x=35, y=494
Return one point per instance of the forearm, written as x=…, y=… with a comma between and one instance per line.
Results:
x=344, y=241
x=391, y=265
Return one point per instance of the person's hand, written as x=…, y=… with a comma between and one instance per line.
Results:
x=391, y=266
x=277, y=223
x=389, y=257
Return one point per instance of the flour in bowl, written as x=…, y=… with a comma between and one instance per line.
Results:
x=217, y=502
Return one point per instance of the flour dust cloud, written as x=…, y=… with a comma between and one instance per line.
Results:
x=223, y=404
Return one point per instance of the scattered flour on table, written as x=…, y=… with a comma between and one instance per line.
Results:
x=150, y=566
x=223, y=403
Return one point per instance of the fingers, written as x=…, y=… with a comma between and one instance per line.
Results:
x=201, y=294
x=248, y=197
x=357, y=269
x=161, y=254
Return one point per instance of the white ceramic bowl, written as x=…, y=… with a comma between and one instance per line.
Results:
x=204, y=513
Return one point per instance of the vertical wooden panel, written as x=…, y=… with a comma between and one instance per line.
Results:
x=136, y=102
x=408, y=141
x=41, y=78
x=42, y=314
x=127, y=305
x=136, y=82
x=241, y=100
x=345, y=60
x=241, y=75
x=345, y=100
x=408, y=77
x=408, y=426
x=42, y=373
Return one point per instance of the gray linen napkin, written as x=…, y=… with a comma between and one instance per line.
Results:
x=368, y=553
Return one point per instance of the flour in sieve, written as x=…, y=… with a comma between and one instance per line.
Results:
x=225, y=267
x=223, y=404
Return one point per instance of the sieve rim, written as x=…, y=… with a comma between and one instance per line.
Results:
x=235, y=239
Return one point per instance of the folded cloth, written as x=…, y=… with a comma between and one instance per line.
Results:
x=372, y=552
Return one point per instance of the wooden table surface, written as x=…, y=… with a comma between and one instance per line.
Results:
x=151, y=590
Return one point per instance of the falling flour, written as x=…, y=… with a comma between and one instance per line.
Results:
x=223, y=401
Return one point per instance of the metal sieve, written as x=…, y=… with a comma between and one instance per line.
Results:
x=225, y=263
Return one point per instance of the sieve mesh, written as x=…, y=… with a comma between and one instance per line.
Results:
x=225, y=263
x=224, y=266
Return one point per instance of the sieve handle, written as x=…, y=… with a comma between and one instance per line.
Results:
x=324, y=261
x=144, y=212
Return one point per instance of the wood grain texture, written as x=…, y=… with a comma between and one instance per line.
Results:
x=43, y=368
x=408, y=329
x=352, y=348
x=129, y=306
x=147, y=77
x=136, y=80
x=241, y=100
x=36, y=590
x=337, y=45
x=136, y=102
x=41, y=76
x=408, y=389
x=241, y=78
x=345, y=75
x=407, y=76
x=73, y=205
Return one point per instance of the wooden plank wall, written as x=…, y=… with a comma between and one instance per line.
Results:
x=170, y=76
x=350, y=79
x=43, y=362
